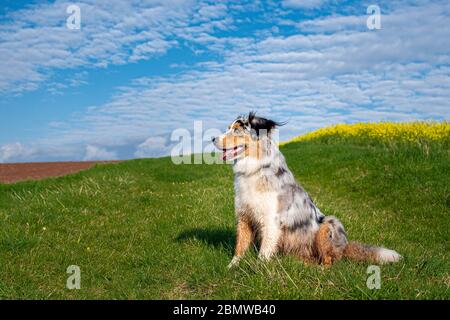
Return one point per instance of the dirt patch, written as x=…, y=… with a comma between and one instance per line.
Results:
x=13, y=172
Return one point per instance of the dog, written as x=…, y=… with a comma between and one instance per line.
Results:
x=273, y=210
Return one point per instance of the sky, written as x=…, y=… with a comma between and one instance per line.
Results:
x=136, y=71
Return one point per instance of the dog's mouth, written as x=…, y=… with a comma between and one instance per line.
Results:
x=232, y=153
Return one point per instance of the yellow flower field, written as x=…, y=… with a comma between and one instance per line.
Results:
x=385, y=131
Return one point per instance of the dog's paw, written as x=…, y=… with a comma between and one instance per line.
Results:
x=234, y=262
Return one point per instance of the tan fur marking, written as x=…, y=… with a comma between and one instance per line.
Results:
x=244, y=236
x=326, y=249
x=254, y=149
x=230, y=141
x=328, y=252
x=360, y=252
x=236, y=125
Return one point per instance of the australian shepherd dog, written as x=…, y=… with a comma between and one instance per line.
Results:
x=274, y=211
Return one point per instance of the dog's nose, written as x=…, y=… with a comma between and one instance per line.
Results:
x=213, y=139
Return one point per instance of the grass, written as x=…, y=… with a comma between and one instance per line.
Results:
x=149, y=229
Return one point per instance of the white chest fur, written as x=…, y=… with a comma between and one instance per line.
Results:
x=255, y=194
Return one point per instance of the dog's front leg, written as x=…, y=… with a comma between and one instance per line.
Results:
x=244, y=236
x=270, y=235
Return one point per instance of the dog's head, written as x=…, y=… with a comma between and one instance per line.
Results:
x=245, y=136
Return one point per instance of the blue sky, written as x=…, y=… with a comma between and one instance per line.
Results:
x=137, y=70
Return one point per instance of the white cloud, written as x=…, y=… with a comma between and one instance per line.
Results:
x=332, y=74
x=152, y=147
x=97, y=153
x=35, y=40
x=14, y=152
x=303, y=3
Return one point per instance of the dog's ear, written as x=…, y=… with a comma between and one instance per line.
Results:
x=258, y=123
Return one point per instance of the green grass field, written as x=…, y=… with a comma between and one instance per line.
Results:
x=149, y=229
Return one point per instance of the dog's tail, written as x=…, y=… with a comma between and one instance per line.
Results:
x=331, y=240
x=363, y=252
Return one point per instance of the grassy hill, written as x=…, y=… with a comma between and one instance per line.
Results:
x=149, y=229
